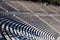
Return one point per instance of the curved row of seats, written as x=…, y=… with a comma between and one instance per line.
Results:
x=15, y=30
